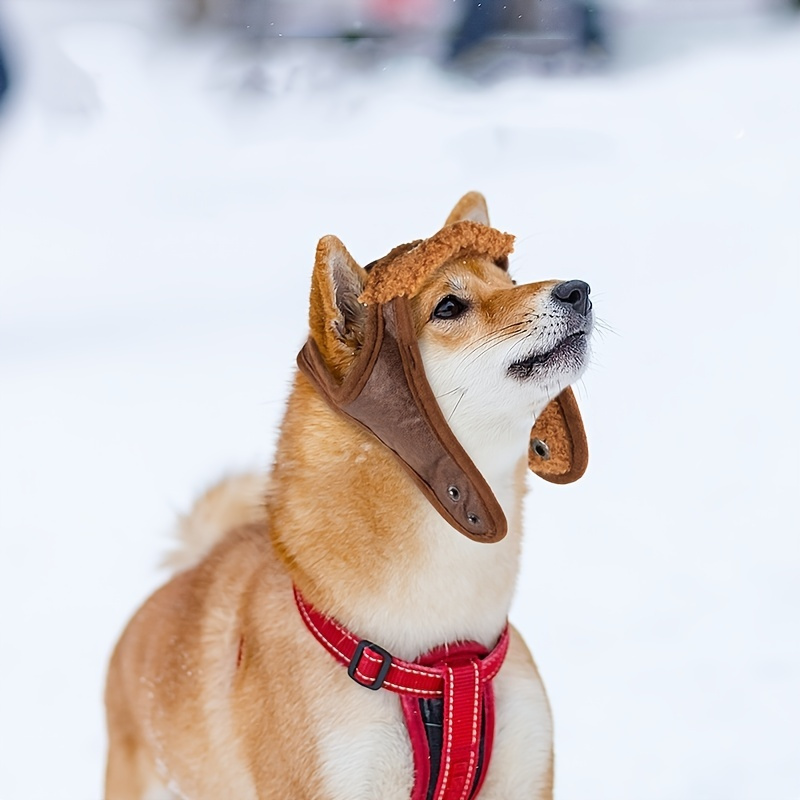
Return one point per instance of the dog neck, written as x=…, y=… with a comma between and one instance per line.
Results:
x=363, y=544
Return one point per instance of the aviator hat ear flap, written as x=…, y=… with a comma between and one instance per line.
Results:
x=558, y=449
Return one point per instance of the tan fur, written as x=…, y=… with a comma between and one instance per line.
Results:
x=216, y=688
x=328, y=326
x=234, y=501
x=472, y=206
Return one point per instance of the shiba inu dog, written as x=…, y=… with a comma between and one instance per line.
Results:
x=339, y=631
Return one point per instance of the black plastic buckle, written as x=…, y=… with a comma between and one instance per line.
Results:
x=382, y=672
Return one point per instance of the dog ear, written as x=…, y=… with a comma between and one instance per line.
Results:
x=558, y=449
x=471, y=207
x=336, y=317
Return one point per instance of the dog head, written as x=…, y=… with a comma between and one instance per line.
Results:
x=495, y=355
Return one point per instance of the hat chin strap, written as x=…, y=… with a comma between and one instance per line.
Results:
x=387, y=393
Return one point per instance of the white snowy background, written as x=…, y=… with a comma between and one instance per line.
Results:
x=157, y=228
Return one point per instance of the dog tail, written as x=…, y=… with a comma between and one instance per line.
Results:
x=234, y=501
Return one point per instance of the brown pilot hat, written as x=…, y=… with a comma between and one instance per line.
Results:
x=386, y=392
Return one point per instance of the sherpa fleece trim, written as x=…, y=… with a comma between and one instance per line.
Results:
x=404, y=270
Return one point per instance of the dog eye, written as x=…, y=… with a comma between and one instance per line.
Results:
x=449, y=307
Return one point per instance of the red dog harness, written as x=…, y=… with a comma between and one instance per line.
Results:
x=447, y=702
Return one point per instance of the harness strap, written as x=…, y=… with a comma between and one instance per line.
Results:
x=446, y=697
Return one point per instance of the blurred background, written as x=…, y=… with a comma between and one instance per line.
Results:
x=166, y=168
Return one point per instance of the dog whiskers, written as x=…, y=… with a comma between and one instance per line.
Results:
x=458, y=403
x=490, y=341
x=500, y=332
x=486, y=349
x=603, y=327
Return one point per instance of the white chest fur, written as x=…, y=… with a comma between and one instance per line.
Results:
x=366, y=753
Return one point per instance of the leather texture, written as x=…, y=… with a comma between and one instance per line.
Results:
x=387, y=393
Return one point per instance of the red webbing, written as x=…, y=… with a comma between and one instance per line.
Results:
x=461, y=674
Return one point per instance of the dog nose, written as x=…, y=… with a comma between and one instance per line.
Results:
x=574, y=294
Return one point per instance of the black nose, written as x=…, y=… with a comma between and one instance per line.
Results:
x=575, y=294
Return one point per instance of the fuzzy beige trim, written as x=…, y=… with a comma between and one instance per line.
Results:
x=405, y=269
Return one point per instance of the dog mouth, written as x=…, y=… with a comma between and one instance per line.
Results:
x=567, y=356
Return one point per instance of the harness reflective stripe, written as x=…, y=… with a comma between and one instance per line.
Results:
x=446, y=697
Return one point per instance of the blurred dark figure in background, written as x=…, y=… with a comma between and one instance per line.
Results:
x=591, y=31
x=481, y=20
x=553, y=24
x=3, y=75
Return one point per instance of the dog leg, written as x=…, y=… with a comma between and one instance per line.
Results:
x=129, y=775
x=130, y=771
x=522, y=761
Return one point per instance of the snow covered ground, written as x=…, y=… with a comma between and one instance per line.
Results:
x=157, y=228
